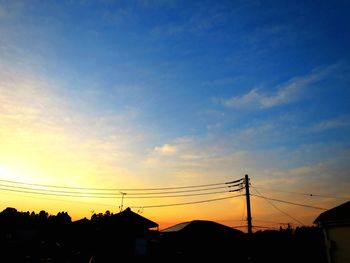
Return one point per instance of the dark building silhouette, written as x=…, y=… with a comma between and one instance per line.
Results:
x=200, y=239
x=335, y=223
x=122, y=235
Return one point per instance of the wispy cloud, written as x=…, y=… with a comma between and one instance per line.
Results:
x=330, y=124
x=43, y=131
x=250, y=99
x=320, y=175
x=194, y=158
x=288, y=92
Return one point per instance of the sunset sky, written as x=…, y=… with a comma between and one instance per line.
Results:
x=162, y=94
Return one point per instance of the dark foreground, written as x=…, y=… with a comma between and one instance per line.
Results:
x=26, y=237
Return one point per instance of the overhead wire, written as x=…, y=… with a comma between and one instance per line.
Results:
x=110, y=194
x=300, y=193
x=186, y=203
x=62, y=200
x=159, y=192
x=86, y=195
x=288, y=202
x=181, y=191
x=120, y=189
x=52, y=194
x=51, y=190
x=270, y=222
x=183, y=195
x=276, y=207
x=259, y=227
x=267, y=227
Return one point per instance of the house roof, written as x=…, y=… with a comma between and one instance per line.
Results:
x=198, y=226
x=337, y=215
x=132, y=218
x=176, y=227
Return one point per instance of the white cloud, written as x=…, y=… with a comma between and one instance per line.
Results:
x=286, y=93
x=252, y=98
x=166, y=149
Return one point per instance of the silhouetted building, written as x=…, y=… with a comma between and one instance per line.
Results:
x=335, y=223
x=128, y=218
x=122, y=235
x=201, y=239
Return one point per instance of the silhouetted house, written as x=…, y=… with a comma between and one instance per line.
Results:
x=335, y=223
x=139, y=228
x=128, y=218
x=202, y=239
x=123, y=235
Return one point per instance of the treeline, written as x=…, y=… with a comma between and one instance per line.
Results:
x=11, y=216
x=41, y=237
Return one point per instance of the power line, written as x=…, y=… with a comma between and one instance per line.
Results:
x=300, y=193
x=287, y=202
x=121, y=189
x=277, y=208
x=181, y=195
x=267, y=227
x=109, y=194
x=182, y=191
x=271, y=222
x=52, y=194
x=57, y=191
x=84, y=195
x=187, y=203
x=62, y=200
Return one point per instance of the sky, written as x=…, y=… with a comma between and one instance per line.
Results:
x=158, y=94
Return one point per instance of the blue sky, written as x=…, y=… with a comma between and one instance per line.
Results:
x=176, y=92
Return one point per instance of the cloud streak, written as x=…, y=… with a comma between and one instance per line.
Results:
x=288, y=92
x=48, y=138
x=330, y=124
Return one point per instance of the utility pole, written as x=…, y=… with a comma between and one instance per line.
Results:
x=247, y=195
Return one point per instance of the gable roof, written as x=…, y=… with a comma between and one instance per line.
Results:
x=337, y=215
x=131, y=218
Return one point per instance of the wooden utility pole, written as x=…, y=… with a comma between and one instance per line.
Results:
x=247, y=195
